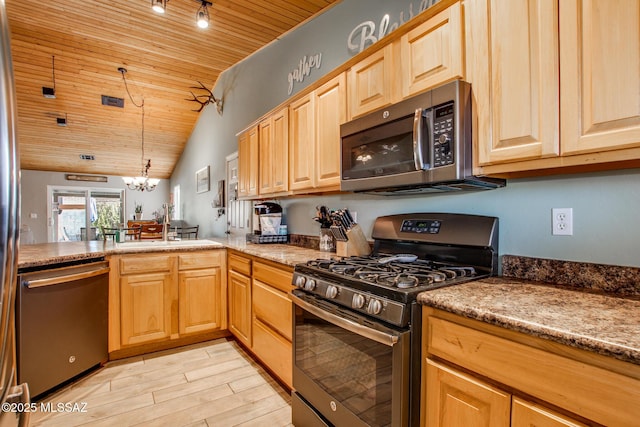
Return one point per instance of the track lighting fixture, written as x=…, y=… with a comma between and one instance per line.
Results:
x=202, y=15
x=159, y=6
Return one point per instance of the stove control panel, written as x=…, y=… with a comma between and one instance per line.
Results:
x=420, y=226
x=357, y=300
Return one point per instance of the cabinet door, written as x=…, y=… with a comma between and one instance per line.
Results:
x=600, y=82
x=240, y=307
x=527, y=414
x=331, y=112
x=248, y=163
x=265, y=142
x=432, y=53
x=145, y=307
x=199, y=300
x=371, y=82
x=301, y=143
x=456, y=399
x=280, y=153
x=512, y=64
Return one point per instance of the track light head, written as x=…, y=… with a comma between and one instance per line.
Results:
x=159, y=6
x=202, y=16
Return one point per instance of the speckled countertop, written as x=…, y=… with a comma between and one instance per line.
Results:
x=44, y=254
x=604, y=324
x=53, y=253
x=285, y=254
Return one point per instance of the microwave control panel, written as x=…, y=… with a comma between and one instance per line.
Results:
x=443, y=135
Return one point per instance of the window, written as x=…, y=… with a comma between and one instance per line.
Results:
x=80, y=213
x=177, y=212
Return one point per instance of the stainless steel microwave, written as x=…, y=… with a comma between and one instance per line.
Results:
x=421, y=144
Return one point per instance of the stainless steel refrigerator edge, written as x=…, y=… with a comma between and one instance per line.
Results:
x=13, y=397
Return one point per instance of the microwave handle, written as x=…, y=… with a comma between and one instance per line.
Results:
x=418, y=141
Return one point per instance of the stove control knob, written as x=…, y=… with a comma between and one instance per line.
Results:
x=357, y=301
x=300, y=281
x=310, y=285
x=374, y=307
x=332, y=291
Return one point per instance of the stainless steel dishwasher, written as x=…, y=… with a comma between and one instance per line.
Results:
x=61, y=322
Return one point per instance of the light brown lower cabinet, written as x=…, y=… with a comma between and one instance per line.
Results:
x=272, y=318
x=239, y=280
x=260, y=310
x=476, y=374
x=158, y=298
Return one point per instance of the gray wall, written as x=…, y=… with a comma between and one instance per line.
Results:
x=605, y=204
x=34, y=197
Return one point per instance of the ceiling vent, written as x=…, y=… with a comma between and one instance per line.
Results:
x=112, y=101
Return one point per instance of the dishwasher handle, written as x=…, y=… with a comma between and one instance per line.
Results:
x=79, y=274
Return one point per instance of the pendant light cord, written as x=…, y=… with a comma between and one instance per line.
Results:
x=141, y=106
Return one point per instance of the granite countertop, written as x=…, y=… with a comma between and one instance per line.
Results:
x=604, y=324
x=282, y=253
x=43, y=254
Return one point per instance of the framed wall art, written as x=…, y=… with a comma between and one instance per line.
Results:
x=202, y=180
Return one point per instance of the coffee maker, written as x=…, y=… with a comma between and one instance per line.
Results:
x=269, y=218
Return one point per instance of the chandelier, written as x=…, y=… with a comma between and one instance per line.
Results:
x=202, y=15
x=142, y=182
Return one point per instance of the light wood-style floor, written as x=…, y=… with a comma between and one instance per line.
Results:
x=209, y=384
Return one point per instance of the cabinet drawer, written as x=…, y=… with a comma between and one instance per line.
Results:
x=145, y=264
x=194, y=260
x=240, y=264
x=278, y=278
x=274, y=350
x=598, y=394
x=272, y=307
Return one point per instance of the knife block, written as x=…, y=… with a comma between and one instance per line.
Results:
x=357, y=244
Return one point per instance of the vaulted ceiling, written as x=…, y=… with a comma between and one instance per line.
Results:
x=84, y=42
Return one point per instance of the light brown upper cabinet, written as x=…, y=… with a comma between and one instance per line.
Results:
x=371, y=82
x=274, y=153
x=512, y=65
x=314, y=137
x=599, y=75
x=433, y=52
x=248, y=150
x=301, y=143
x=555, y=84
x=331, y=112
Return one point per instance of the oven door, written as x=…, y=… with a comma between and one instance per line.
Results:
x=348, y=370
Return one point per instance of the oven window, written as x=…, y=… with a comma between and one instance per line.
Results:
x=354, y=370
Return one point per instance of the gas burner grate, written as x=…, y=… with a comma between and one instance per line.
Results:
x=393, y=274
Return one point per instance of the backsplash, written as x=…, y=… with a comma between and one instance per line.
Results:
x=613, y=279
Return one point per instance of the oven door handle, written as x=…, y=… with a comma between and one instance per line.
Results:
x=387, y=339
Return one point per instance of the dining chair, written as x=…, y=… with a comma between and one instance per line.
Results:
x=108, y=233
x=132, y=233
x=187, y=232
x=151, y=231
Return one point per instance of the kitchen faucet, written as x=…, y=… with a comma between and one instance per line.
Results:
x=165, y=223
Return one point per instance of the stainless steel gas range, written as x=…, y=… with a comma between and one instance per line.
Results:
x=357, y=337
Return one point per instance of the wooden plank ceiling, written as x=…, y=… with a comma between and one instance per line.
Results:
x=164, y=55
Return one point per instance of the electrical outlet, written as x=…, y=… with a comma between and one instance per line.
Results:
x=562, y=221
